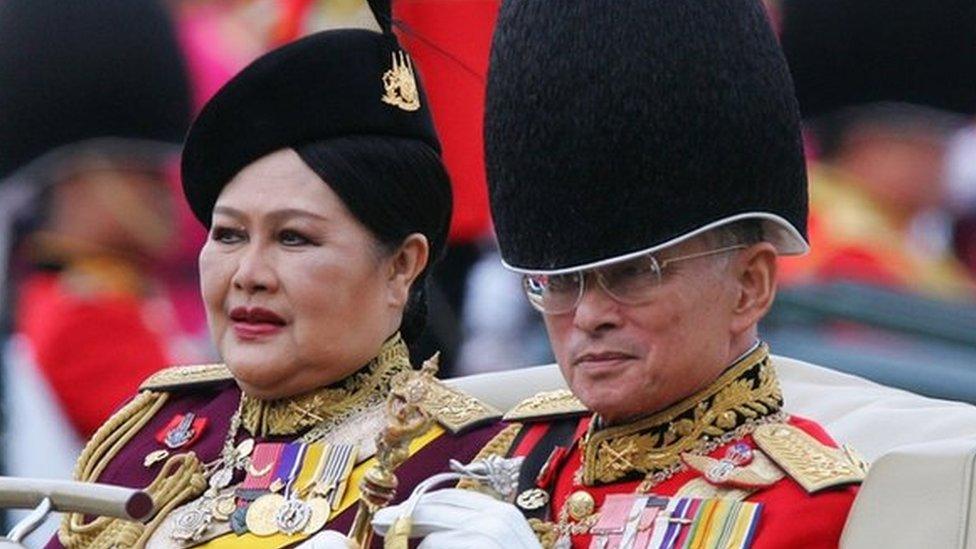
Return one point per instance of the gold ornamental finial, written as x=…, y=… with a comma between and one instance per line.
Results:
x=407, y=420
x=400, y=85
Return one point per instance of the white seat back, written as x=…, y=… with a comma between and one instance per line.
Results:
x=921, y=495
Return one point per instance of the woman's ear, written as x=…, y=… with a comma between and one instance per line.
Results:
x=755, y=273
x=406, y=263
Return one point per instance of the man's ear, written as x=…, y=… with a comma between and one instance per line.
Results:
x=755, y=272
x=406, y=263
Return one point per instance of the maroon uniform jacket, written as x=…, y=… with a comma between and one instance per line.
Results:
x=130, y=450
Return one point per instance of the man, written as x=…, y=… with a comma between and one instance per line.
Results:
x=645, y=171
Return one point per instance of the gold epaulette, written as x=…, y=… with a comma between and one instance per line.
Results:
x=546, y=405
x=811, y=463
x=185, y=377
x=456, y=410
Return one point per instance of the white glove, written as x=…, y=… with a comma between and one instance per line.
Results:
x=328, y=539
x=461, y=519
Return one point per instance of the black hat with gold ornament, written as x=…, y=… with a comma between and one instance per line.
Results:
x=614, y=129
x=330, y=84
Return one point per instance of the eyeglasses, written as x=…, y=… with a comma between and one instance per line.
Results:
x=630, y=282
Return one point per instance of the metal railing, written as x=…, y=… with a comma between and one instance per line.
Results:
x=904, y=340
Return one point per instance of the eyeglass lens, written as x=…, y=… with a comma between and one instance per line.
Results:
x=628, y=282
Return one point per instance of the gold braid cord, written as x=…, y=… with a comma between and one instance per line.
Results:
x=499, y=446
x=545, y=532
x=109, y=439
x=501, y=443
x=180, y=478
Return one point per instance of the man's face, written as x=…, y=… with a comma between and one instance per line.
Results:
x=624, y=361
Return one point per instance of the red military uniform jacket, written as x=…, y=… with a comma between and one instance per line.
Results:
x=134, y=448
x=81, y=323
x=729, y=442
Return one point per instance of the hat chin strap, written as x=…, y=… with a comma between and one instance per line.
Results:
x=778, y=231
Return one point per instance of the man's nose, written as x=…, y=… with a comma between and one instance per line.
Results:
x=596, y=310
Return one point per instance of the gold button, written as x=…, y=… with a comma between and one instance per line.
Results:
x=580, y=504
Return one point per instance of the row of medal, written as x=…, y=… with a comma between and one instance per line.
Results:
x=289, y=488
x=635, y=521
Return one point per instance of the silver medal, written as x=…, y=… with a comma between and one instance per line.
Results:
x=192, y=522
x=222, y=478
x=292, y=516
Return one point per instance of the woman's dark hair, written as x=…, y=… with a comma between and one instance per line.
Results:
x=395, y=187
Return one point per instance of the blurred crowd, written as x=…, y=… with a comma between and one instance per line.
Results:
x=99, y=251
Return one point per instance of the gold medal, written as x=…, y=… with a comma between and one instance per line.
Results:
x=320, y=514
x=580, y=504
x=261, y=514
x=155, y=457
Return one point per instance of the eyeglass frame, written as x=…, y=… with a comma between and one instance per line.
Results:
x=602, y=282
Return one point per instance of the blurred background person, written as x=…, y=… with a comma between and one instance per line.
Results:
x=883, y=87
x=962, y=195
x=94, y=102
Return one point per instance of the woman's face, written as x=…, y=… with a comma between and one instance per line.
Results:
x=298, y=292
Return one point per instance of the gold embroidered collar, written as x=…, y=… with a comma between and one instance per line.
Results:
x=733, y=405
x=292, y=415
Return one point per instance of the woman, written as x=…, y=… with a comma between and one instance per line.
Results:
x=317, y=173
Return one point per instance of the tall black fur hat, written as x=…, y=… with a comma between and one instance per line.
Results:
x=849, y=53
x=330, y=84
x=618, y=128
x=75, y=72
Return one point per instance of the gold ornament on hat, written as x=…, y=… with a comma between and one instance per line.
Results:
x=400, y=85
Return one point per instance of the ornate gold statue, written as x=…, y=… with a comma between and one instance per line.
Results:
x=407, y=421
